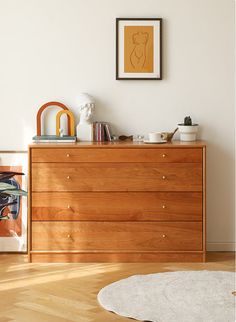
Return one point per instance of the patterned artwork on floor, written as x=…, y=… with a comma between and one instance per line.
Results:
x=11, y=215
x=13, y=209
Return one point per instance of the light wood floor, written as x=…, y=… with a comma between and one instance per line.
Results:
x=67, y=292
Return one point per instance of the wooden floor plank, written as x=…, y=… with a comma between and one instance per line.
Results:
x=68, y=292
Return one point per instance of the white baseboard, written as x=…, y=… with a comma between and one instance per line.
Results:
x=221, y=247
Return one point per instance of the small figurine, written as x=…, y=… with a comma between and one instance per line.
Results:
x=61, y=133
x=126, y=138
x=168, y=136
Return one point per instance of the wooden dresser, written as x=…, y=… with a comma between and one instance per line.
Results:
x=127, y=202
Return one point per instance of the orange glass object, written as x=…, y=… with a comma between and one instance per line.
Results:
x=71, y=122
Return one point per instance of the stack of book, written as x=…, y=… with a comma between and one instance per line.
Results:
x=54, y=138
x=101, y=132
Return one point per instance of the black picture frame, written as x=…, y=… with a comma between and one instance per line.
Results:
x=159, y=49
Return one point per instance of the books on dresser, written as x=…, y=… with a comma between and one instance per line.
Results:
x=101, y=132
x=54, y=138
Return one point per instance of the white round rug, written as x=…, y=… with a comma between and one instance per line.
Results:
x=188, y=296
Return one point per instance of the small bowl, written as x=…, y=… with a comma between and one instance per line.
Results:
x=168, y=136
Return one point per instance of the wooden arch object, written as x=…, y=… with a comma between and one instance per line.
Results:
x=71, y=121
x=46, y=105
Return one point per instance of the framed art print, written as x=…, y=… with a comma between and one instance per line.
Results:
x=13, y=218
x=138, y=48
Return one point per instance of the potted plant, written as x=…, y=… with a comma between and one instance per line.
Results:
x=9, y=192
x=188, y=130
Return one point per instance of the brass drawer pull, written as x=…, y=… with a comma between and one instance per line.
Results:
x=69, y=236
x=163, y=206
x=68, y=155
x=163, y=177
x=163, y=155
x=68, y=177
x=164, y=236
x=68, y=206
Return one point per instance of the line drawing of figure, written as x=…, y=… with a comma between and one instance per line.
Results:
x=138, y=55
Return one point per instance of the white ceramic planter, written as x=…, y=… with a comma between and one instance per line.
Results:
x=188, y=132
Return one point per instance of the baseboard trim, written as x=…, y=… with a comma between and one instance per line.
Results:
x=92, y=257
x=221, y=247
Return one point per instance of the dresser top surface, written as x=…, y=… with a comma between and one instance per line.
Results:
x=120, y=144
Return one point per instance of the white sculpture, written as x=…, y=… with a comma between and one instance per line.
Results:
x=84, y=130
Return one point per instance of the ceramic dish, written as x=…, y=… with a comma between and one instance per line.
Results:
x=157, y=142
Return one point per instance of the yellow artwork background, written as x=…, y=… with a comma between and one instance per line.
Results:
x=138, y=49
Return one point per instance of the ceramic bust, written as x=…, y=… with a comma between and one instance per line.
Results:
x=84, y=130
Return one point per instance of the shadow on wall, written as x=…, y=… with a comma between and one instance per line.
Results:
x=220, y=190
x=28, y=132
x=220, y=174
x=104, y=113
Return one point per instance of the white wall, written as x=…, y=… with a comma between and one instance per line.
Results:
x=55, y=49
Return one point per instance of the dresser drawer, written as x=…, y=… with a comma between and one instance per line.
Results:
x=117, y=177
x=117, y=206
x=118, y=236
x=116, y=155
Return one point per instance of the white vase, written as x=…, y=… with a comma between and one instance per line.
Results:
x=188, y=132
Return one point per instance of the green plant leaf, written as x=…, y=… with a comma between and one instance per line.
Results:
x=3, y=195
x=16, y=192
x=6, y=186
x=4, y=218
x=9, y=174
x=7, y=204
